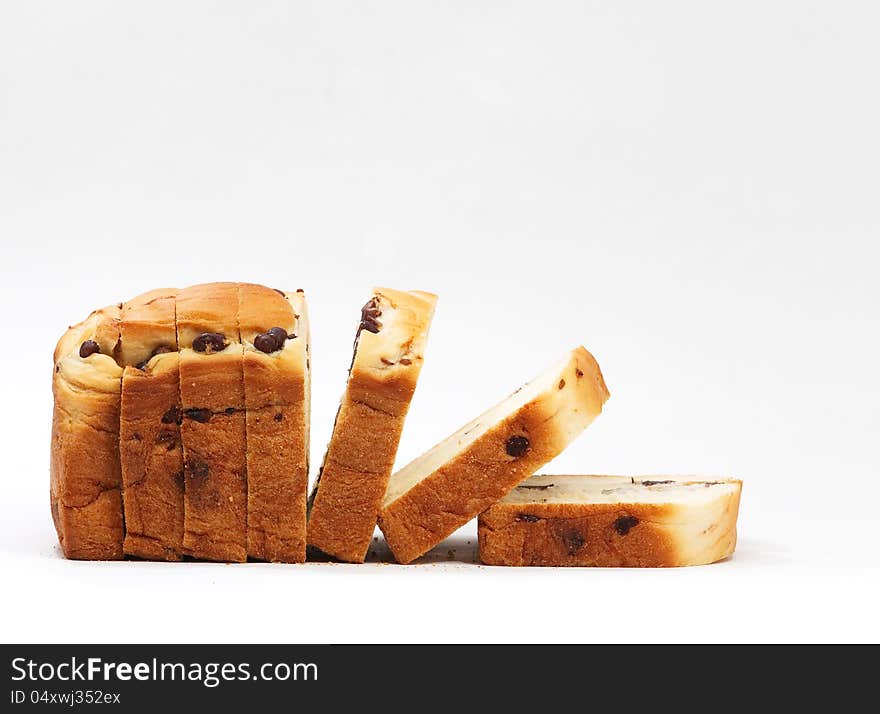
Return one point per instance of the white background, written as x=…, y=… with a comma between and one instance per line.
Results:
x=690, y=189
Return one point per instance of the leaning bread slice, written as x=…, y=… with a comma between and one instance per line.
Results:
x=84, y=473
x=275, y=337
x=213, y=422
x=150, y=451
x=462, y=476
x=612, y=521
x=388, y=355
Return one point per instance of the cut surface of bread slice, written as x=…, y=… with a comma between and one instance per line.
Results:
x=612, y=521
x=387, y=361
x=150, y=451
x=463, y=475
x=85, y=480
x=275, y=336
x=213, y=429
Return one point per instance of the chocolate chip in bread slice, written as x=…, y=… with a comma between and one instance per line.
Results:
x=85, y=478
x=387, y=361
x=213, y=427
x=466, y=473
x=150, y=449
x=612, y=521
x=275, y=337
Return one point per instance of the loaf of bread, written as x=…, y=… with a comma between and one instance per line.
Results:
x=462, y=476
x=85, y=481
x=388, y=356
x=162, y=405
x=149, y=430
x=275, y=334
x=612, y=521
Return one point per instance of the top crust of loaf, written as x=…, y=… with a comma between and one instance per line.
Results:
x=148, y=324
x=211, y=307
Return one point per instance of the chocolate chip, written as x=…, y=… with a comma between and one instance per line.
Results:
x=200, y=415
x=537, y=488
x=517, y=446
x=561, y=384
x=169, y=439
x=405, y=361
x=196, y=468
x=291, y=336
x=573, y=541
x=385, y=360
x=527, y=517
x=578, y=373
x=370, y=314
x=278, y=417
x=624, y=524
x=230, y=410
x=89, y=348
x=136, y=436
x=656, y=483
x=209, y=342
x=279, y=333
x=266, y=343
x=172, y=416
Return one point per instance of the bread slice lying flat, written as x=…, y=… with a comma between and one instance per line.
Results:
x=612, y=521
x=150, y=450
x=213, y=422
x=462, y=476
x=84, y=474
x=387, y=360
x=276, y=386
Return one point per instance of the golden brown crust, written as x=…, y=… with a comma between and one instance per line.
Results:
x=149, y=433
x=85, y=480
x=277, y=424
x=371, y=415
x=471, y=480
x=649, y=535
x=213, y=429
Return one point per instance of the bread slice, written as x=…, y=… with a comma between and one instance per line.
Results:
x=149, y=430
x=85, y=480
x=462, y=476
x=612, y=521
x=275, y=336
x=213, y=427
x=388, y=356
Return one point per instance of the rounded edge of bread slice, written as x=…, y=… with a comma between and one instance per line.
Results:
x=84, y=472
x=612, y=521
